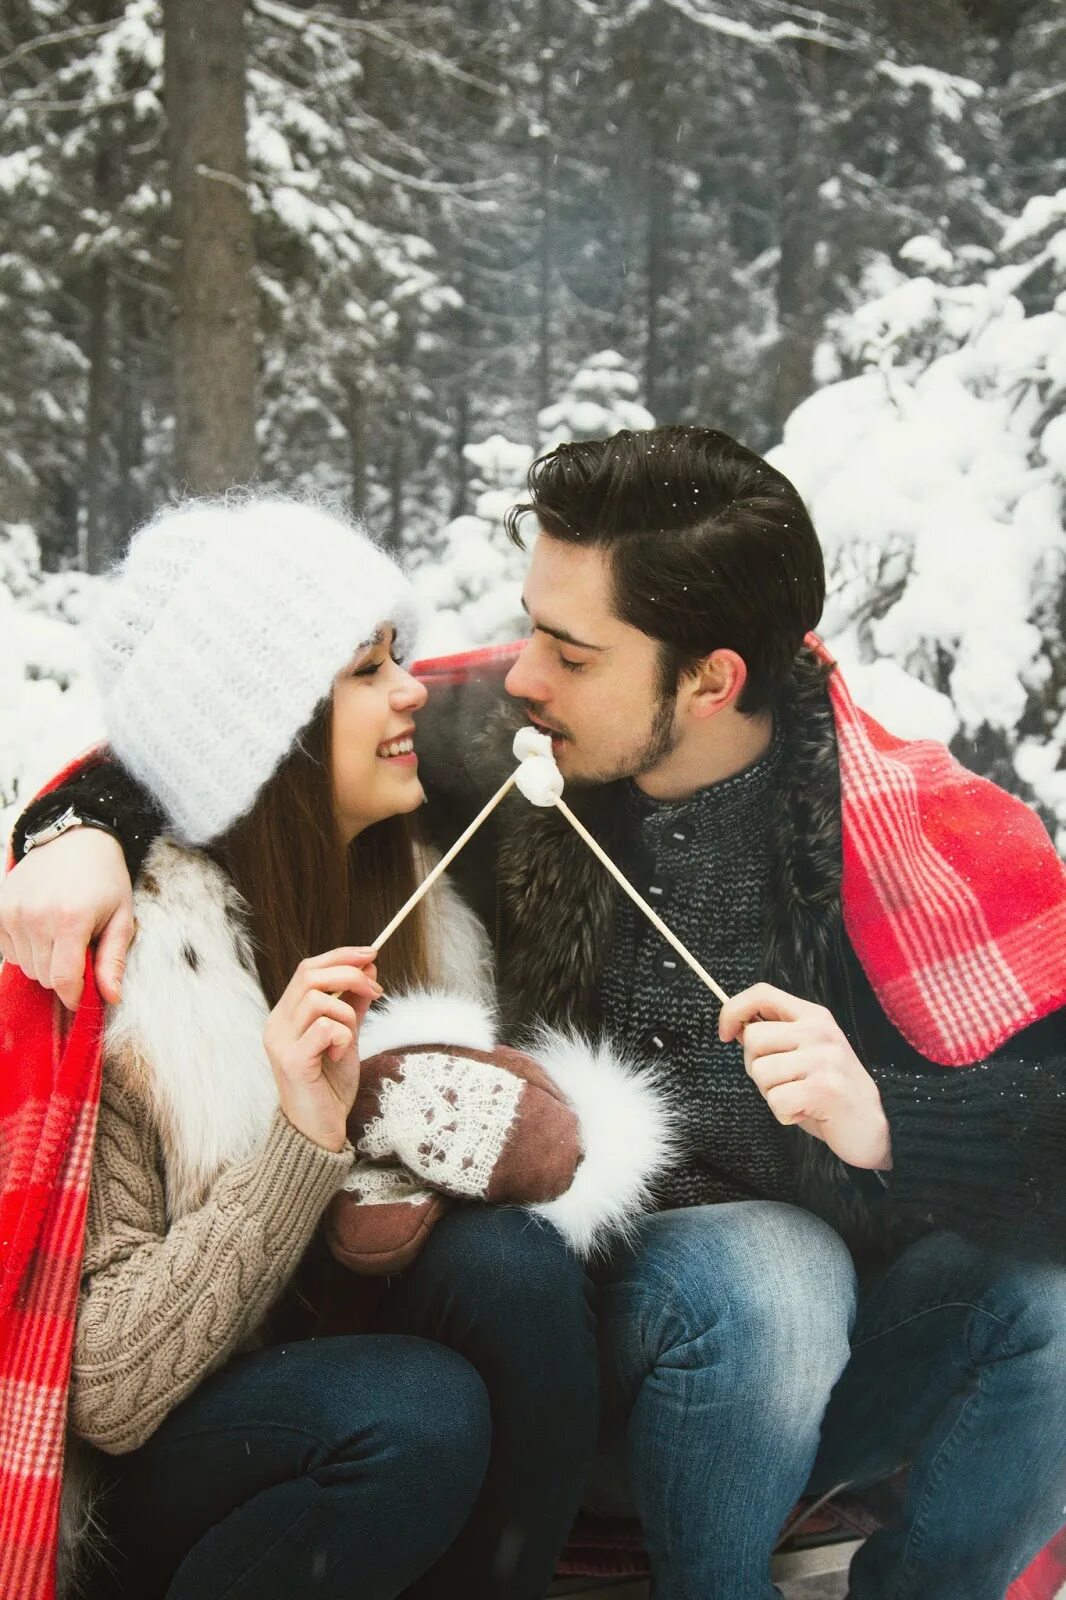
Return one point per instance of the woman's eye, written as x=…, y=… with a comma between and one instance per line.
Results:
x=571, y=666
x=373, y=667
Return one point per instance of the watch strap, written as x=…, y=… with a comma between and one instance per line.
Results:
x=104, y=795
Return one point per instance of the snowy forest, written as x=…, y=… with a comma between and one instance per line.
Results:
x=457, y=233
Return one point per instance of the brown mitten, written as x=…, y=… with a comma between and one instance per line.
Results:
x=381, y=1219
x=478, y=1124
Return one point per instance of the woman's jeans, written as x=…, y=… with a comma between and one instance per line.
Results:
x=344, y=1468
x=744, y=1366
x=503, y=1290
x=325, y=1468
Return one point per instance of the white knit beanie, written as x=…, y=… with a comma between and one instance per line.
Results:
x=220, y=633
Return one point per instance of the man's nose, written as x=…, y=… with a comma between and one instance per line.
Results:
x=523, y=680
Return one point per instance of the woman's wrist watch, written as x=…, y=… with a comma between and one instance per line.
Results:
x=62, y=824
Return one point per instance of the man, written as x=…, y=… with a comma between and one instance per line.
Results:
x=860, y=1260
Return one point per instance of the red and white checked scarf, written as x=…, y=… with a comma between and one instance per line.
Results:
x=954, y=900
x=49, y=1094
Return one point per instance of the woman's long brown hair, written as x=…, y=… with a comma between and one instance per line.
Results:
x=307, y=892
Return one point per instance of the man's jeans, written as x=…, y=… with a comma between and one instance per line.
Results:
x=744, y=1366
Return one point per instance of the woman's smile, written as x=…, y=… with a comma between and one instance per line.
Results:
x=400, y=751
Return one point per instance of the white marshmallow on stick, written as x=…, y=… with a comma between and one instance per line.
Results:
x=539, y=779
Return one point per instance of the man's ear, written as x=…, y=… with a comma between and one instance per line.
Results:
x=715, y=684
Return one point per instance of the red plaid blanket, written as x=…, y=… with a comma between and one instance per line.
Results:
x=954, y=900
x=49, y=1093
x=954, y=897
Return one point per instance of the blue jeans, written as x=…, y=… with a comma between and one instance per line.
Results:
x=346, y=1467
x=326, y=1468
x=503, y=1290
x=744, y=1365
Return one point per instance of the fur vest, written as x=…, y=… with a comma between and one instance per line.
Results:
x=191, y=999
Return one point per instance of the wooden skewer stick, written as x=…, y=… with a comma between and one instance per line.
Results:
x=652, y=915
x=444, y=862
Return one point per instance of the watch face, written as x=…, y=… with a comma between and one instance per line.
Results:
x=51, y=830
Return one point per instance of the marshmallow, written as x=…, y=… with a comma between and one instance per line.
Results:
x=528, y=742
x=540, y=780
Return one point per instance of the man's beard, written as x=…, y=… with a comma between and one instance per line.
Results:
x=661, y=741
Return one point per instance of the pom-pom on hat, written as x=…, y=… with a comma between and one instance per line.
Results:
x=218, y=636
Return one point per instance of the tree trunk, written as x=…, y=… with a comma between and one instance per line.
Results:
x=128, y=501
x=397, y=483
x=97, y=548
x=461, y=436
x=803, y=168
x=402, y=427
x=357, y=454
x=96, y=543
x=546, y=244
x=657, y=214
x=214, y=304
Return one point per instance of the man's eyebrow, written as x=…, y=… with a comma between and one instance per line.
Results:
x=562, y=635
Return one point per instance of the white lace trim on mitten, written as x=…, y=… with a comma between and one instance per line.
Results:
x=445, y=1119
x=370, y=1185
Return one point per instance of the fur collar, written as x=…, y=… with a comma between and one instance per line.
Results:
x=187, y=1037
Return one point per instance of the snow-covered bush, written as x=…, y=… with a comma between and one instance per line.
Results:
x=48, y=711
x=471, y=576
x=936, y=475
x=471, y=583
x=600, y=399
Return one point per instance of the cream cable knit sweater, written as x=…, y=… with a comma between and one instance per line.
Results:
x=203, y=1197
x=160, y=1308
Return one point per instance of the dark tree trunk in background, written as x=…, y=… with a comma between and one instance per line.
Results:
x=98, y=513
x=128, y=501
x=214, y=305
x=357, y=451
x=461, y=438
x=804, y=166
x=397, y=479
x=547, y=214
x=97, y=554
x=658, y=228
x=400, y=453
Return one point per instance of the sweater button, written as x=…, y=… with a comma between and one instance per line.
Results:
x=658, y=892
x=656, y=1041
x=668, y=967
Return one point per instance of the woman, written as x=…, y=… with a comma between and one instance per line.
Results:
x=249, y=663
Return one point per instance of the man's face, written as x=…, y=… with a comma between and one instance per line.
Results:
x=585, y=677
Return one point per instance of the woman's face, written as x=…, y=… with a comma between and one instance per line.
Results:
x=375, y=769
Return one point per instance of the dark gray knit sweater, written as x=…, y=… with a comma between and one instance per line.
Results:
x=703, y=864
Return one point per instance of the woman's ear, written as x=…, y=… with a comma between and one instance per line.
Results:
x=716, y=683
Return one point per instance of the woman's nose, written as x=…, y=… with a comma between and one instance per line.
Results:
x=409, y=694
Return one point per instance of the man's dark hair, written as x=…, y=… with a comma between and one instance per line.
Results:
x=710, y=547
